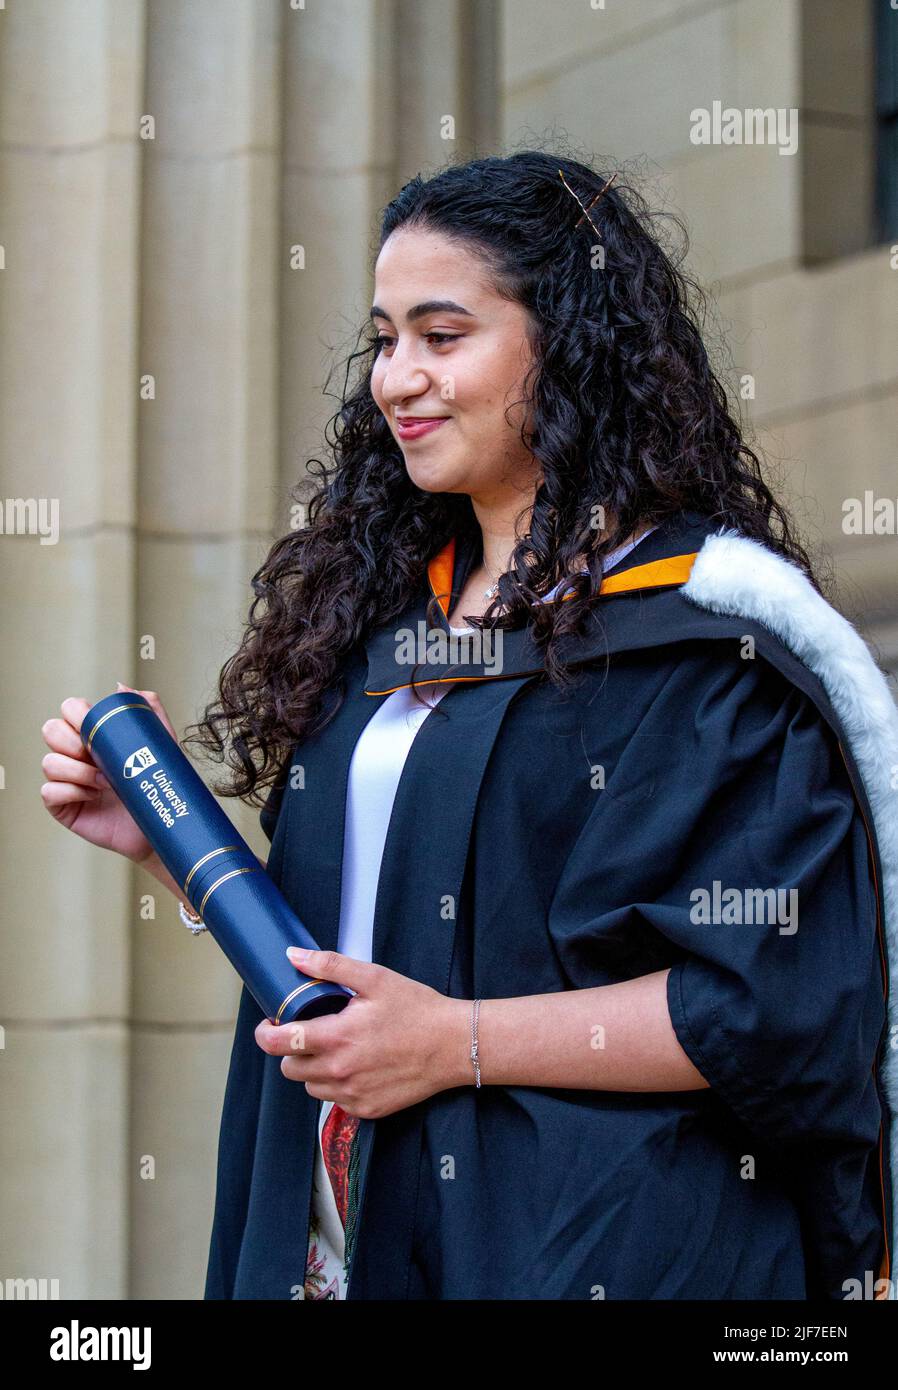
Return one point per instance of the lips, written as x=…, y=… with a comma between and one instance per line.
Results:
x=413, y=426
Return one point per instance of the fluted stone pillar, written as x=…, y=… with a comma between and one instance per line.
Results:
x=70, y=95
x=207, y=469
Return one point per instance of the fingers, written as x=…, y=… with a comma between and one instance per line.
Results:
x=71, y=772
x=294, y=1039
x=361, y=976
x=292, y=1042
x=62, y=734
x=61, y=767
x=57, y=795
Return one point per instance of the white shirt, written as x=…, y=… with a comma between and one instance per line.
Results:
x=374, y=772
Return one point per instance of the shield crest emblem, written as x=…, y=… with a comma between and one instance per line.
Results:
x=138, y=762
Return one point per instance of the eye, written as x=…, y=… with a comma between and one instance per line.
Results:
x=437, y=339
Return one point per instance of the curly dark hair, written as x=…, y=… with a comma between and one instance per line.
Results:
x=623, y=413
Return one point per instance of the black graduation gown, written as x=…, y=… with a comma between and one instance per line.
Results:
x=774, y=1181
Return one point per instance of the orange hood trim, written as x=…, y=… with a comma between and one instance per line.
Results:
x=657, y=573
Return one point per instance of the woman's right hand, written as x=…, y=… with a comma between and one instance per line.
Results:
x=78, y=795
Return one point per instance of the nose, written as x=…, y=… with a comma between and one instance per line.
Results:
x=404, y=377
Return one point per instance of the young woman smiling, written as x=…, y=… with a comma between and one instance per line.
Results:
x=554, y=1080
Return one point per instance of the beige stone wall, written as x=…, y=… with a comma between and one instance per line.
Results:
x=162, y=363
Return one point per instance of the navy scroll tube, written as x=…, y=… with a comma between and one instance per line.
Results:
x=242, y=907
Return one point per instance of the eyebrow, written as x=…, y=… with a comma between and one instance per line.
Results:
x=429, y=306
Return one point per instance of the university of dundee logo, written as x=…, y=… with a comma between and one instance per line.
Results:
x=138, y=762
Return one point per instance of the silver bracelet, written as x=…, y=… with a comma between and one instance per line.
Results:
x=475, y=1013
x=195, y=923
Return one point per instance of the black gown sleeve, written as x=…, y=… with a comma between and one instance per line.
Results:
x=733, y=778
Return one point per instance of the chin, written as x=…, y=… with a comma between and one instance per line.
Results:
x=434, y=478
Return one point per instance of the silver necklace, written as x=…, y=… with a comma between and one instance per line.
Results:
x=493, y=589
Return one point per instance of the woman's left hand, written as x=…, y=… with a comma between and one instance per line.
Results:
x=394, y=1044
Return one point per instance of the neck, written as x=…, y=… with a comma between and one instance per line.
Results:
x=499, y=536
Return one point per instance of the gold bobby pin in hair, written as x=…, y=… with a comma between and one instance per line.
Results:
x=592, y=203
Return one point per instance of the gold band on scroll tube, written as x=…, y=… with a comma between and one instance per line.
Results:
x=224, y=878
x=285, y=1002
x=223, y=849
x=108, y=715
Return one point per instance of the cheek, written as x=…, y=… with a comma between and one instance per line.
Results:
x=487, y=383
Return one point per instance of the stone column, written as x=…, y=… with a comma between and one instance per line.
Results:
x=70, y=96
x=207, y=460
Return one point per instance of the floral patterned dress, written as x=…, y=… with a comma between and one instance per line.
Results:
x=327, y=1267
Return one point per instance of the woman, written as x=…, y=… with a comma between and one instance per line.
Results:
x=587, y=840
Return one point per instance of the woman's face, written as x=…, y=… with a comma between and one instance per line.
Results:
x=461, y=364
